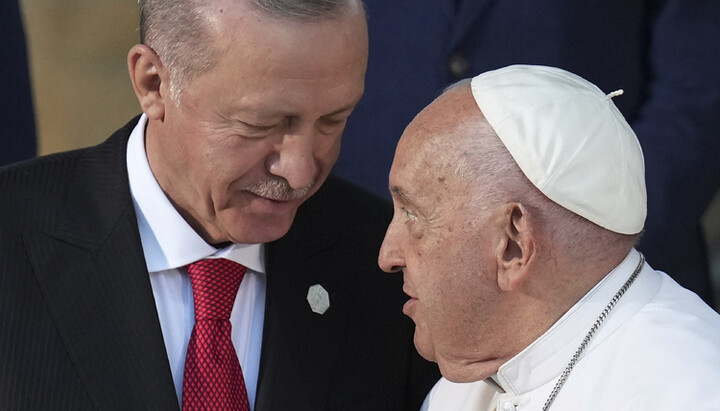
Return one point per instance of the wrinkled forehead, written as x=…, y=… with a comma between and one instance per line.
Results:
x=439, y=134
x=434, y=145
x=424, y=166
x=411, y=158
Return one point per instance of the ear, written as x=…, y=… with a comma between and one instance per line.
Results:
x=147, y=75
x=516, y=251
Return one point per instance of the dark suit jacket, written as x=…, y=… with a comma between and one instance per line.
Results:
x=665, y=54
x=79, y=328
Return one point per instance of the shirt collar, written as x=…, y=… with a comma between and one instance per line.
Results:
x=544, y=359
x=167, y=239
x=493, y=382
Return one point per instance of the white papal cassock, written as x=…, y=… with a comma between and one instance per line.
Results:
x=659, y=349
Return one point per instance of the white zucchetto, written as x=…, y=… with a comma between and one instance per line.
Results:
x=570, y=140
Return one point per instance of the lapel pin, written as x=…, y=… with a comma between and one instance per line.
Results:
x=318, y=298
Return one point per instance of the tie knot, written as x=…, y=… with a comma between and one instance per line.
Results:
x=215, y=283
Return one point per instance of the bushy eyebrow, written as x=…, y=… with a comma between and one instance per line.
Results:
x=401, y=194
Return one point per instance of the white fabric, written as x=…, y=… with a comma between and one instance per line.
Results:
x=570, y=140
x=169, y=244
x=659, y=349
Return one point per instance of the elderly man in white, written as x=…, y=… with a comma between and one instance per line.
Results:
x=519, y=196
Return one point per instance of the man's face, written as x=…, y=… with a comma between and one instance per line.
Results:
x=442, y=242
x=257, y=135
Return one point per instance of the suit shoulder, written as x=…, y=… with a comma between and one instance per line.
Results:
x=339, y=191
x=37, y=188
x=38, y=171
x=37, y=183
x=342, y=200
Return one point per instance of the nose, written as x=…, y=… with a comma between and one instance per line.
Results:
x=295, y=161
x=391, y=258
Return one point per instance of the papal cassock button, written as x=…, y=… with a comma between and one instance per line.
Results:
x=318, y=298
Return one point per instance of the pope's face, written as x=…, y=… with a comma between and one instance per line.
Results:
x=257, y=135
x=442, y=242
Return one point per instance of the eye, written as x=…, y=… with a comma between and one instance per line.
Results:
x=261, y=127
x=249, y=130
x=409, y=215
x=331, y=125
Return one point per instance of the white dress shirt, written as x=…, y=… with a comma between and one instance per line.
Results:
x=169, y=244
x=658, y=349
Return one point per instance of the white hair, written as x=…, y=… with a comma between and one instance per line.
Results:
x=482, y=159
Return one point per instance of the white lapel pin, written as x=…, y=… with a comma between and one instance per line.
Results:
x=318, y=298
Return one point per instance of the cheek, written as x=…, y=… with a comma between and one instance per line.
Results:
x=450, y=316
x=233, y=164
x=327, y=150
x=451, y=278
x=232, y=158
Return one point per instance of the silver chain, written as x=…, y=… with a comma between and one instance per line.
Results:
x=591, y=333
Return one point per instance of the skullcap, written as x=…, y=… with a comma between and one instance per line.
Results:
x=570, y=141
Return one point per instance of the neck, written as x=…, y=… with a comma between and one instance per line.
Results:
x=565, y=280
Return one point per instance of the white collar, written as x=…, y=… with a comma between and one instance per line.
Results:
x=544, y=359
x=168, y=241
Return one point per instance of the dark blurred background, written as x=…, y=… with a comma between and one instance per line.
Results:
x=77, y=53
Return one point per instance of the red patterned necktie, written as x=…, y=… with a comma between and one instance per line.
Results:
x=213, y=379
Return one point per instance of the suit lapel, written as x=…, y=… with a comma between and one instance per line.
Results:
x=96, y=286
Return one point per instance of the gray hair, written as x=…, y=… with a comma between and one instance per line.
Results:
x=179, y=32
x=497, y=179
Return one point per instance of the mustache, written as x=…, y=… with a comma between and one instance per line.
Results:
x=278, y=189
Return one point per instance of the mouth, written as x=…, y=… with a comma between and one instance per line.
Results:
x=272, y=204
x=274, y=199
x=409, y=304
x=408, y=293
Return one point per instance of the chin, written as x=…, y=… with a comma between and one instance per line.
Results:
x=461, y=370
x=260, y=230
x=462, y=375
x=424, y=347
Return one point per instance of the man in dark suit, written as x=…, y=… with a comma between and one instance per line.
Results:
x=244, y=104
x=663, y=53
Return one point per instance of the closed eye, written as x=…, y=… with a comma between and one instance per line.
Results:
x=331, y=125
x=251, y=130
x=256, y=127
